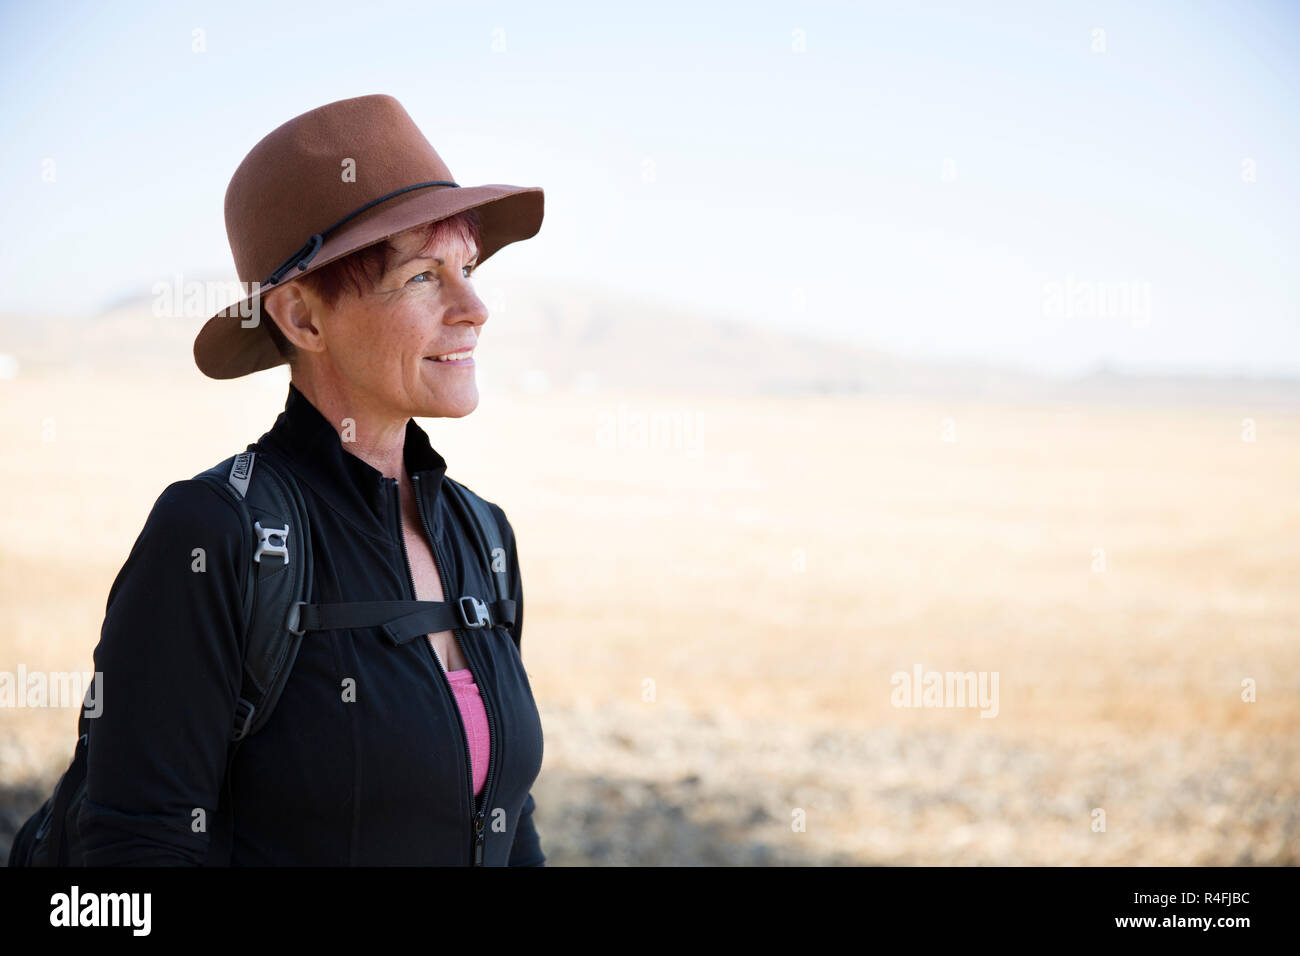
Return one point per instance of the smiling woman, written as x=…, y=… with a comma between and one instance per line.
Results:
x=403, y=731
x=360, y=270
x=390, y=332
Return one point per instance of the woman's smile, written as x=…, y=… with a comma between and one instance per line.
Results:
x=464, y=357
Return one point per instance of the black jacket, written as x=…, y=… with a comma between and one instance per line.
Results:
x=381, y=779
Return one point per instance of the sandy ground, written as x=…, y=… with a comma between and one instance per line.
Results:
x=717, y=601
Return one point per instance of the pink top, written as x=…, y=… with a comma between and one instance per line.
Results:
x=476, y=726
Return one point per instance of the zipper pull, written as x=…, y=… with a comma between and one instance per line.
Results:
x=478, y=838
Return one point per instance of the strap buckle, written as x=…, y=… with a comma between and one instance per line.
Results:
x=246, y=709
x=294, y=619
x=480, y=616
x=265, y=544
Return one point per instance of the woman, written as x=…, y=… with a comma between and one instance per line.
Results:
x=378, y=752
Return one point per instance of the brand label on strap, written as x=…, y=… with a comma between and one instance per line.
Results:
x=241, y=471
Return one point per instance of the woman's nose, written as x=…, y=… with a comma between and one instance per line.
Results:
x=468, y=306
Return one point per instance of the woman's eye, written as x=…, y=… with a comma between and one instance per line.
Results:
x=466, y=271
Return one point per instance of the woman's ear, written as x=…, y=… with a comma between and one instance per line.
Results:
x=293, y=309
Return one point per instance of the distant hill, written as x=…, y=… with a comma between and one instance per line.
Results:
x=550, y=335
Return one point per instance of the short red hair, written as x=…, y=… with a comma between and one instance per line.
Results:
x=363, y=268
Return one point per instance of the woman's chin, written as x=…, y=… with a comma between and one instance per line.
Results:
x=451, y=406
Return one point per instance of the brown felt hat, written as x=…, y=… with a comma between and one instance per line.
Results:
x=327, y=183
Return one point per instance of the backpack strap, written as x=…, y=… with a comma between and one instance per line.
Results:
x=403, y=621
x=280, y=578
x=479, y=517
x=280, y=581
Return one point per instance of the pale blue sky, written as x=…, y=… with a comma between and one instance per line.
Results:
x=917, y=179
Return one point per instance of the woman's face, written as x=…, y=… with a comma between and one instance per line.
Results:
x=389, y=347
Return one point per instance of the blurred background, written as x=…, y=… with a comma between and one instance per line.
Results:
x=863, y=345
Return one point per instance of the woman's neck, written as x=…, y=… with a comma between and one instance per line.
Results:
x=373, y=434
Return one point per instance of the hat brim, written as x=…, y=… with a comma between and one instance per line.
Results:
x=227, y=348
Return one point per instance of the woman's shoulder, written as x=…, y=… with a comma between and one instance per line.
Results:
x=504, y=528
x=498, y=513
x=193, y=508
x=192, y=527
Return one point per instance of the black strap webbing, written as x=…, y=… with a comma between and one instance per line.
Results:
x=404, y=620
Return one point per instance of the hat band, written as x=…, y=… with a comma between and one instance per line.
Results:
x=308, y=250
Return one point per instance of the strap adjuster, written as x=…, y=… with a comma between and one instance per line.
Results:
x=243, y=723
x=473, y=614
x=266, y=543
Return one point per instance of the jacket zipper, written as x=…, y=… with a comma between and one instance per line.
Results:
x=480, y=815
x=478, y=819
x=424, y=639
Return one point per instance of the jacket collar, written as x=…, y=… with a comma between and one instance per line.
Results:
x=312, y=446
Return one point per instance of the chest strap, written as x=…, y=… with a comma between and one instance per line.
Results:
x=403, y=620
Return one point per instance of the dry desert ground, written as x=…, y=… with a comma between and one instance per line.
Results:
x=719, y=591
